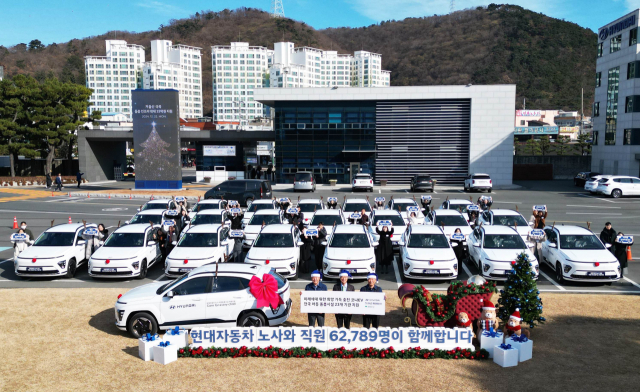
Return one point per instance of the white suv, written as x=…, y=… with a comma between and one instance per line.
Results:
x=328, y=218
x=425, y=253
x=591, y=184
x=402, y=205
x=575, y=253
x=59, y=251
x=203, y=297
x=618, y=186
x=277, y=246
x=355, y=205
x=362, y=181
x=450, y=220
x=478, y=182
x=350, y=247
x=129, y=251
x=258, y=205
x=254, y=226
x=199, y=245
x=399, y=225
x=208, y=204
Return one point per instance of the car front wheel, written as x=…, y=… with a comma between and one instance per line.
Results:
x=143, y=270
x=142, y=323
x=71, y=269
x=559, y=276
x=251, y=319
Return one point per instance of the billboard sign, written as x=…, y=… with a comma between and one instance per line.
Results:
x=528, y=113
x=219, y=151
x=156, y=139
x=536, y=131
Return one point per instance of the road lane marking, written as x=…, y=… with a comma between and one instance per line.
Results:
x=591, y=213
x=397, y=273
x=552, y=281
x=161, y=277
x=4, y=261
x=573, y=205
x=631, y=281
x=593, y=197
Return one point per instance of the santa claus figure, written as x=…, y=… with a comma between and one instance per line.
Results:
x=488, y=317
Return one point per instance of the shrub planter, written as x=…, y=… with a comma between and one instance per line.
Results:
x=333, y=182
x=383, y=182
x=207, y=180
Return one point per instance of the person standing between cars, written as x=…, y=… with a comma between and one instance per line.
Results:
x=385, y=248
x=59, y=183
x=184, y=221
x=171, y=238
x=49, y=180
x=270, y=174
x=608, y=235
x=236, y=221
x=621, y=254
x=344, y=320
x=371, y=320
x=458, y=248
x=318, y=248
x=305, y=250
x=332, y=204
x=23, y=227
x=92, y=242
x=259, y=172
x=79, y=178
x=413, y=219
x=364, y=219
x=538, y=218
x=380, y=205
x=103, y=233
x=316, y=285
x=161, y=238
x=253, y=173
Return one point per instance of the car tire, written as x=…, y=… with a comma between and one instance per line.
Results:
x=142, y=323
x=71, y=269
x=559, y=275
x=295, y=276
x=252, y=319
x=143, y=270
x=489, y=191
x=247, y=200
x=480, y=268
x=616, y=193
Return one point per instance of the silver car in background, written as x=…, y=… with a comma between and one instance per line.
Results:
x=303, y=181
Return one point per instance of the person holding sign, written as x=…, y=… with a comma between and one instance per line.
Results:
x=458, y=247
x=172, y=239
x=385, y=248
x=90, y=235
x=426, y=204
x=344, y=319
x=332, y=203
x=23, y=226
x=20, y=245
x=620, y=252
x=183, y=222
x=608, y=235
x=316, y=285
x=364, y=219
x=305, y=250
x=379, y=203
x=236, y=218
x=318, y=248
x=371, y=320
x=539, y=216
x=413, y=219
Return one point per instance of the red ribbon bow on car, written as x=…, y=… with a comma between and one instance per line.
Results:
x=265, y=291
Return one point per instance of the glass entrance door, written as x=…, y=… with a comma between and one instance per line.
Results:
x=355, y=169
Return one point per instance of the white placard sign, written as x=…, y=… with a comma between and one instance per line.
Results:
x=235, y=211
x=625, y=239
x=172, y=213
x=284, y=200
x=180, y=198
x=310, y=232
x=355, y=216
x=18, y=237
x=413, y=209
x=168, y=223
x=428, y=198
x=385, y=223
x=233, y=203
x=473, y=207
x=349, y=302
x=328, y=338
x=236, y=234
x=292, y=210
x=540, y=208
x=91, y=231
x=332, y=199
x=379, y=199
x=536, y=234
x=219, y=151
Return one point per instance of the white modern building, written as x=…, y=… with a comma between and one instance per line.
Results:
x=177, y=67
x=393, y=133
x=113, y=76
x=616, y=108
x=238, y=69
x=367, y=70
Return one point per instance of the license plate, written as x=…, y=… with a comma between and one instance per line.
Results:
x=108, y=270
x=507, y=272
x=595, y=274
x=431, y=272
x=34, y=269
x=184, y=269
x=352, y=271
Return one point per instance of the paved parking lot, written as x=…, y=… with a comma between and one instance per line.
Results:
x=566, y=205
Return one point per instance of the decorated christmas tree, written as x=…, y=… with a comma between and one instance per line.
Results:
x=154, y=161
x=521, y=292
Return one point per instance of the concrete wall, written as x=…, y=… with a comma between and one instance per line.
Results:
x=564, y=167
x=97, y=157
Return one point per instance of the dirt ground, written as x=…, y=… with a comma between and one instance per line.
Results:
x=65, y=340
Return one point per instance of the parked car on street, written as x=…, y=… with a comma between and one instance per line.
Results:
x=478, y=182
x=422, y=182
x=618, y=186
x=581, y=178
x=304, y=181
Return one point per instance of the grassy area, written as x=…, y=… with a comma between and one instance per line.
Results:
x=65, y=340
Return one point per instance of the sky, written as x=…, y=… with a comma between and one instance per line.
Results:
x=60, y=21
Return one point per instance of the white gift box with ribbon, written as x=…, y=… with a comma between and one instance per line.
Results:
x=145, y=345
x=505, y=356
x=488, y=342
x=177, y=337
x=165, y=353
x=524, y=346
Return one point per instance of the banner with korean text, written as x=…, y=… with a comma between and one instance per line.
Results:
x=342, y=302
x=327, y=338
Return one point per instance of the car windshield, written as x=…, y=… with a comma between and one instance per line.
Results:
x=450, y=220
x=154, y=206
x=459, y=207
x=588, y=241
x=503, y=241
x=267, y=219
x=327, y=220
x=155, y=219
x=274, y=240
x=309, y=207
x=356, y=207
x=198, y=240
x=428, y=241
x=403, y=206
x=395, y=219
x=51, y=238
x=509, y=220
x=206, y=206
x=259, y=206
x=303, y=177
x=481, y=177
x=125, y=240
x=349, y=241
x=206, y=219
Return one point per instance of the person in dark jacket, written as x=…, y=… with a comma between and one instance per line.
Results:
x=253, y=173
x=385, y=248
x=259, y=172
x=364, y=219
x=23, y=226
x=305, y=251
x=79, y=178
x=608, y=235
x=318, y=248
x=161, y=238
x=371, y=320
x=538, y=218
x=183, y=222
x=316, y=285
x=621, y=254
x=270, y=174
x=59, y=183
x=171, y=238
x=103, y=233
x=458, y=249
x=332, y=204
x=344, y=319
x=49, y=180
x=236, y=221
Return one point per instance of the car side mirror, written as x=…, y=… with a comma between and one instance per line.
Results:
x=300, y=243
x=375, y=243
x=84, y=242
x=607, y=245
x=531, y=224
x=138, y=209
x=324, y=243
x=454, y=244
x=151, y=243
x=553, y=245
x=170, y=294
x=476, y=244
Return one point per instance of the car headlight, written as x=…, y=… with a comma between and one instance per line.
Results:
x=120, y=314
x=406, y=266
x=455, y=266
x=486, y=267
x=566, y=269
x=325, y=265
x=62, y=263
x=135, y=265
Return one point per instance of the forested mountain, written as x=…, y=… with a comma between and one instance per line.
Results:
x=548, y=59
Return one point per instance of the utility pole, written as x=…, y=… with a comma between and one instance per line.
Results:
x=524, y=104
x=581, y=111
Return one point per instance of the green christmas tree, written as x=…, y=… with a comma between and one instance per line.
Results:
x=521, y=292
x=154, y=161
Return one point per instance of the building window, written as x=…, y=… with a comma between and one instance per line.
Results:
x=632, y=104
x=633, y=36
x=633, y=70
x=595, y=138
x=523, y=123
x=616, y=43
x=598, y=79
x=613, y=81
x=631, y=137
x=600, y=49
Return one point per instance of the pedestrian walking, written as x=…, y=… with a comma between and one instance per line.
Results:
x=385, y=248
x=344, y=320
x=79, y=178
x=59, y=183
x=608, y=235
x=49, y=180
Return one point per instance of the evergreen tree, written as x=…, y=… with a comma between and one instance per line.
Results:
x=521, y=291
x=545, y=144
x=532, y=147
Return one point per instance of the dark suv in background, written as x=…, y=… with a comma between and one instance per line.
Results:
x=244, y=191
x=581, y=178
x=421, y=183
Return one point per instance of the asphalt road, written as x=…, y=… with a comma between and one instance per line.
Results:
x=566, y=204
